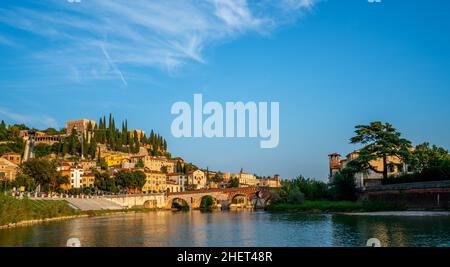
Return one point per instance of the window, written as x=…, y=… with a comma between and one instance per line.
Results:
x=391, y=168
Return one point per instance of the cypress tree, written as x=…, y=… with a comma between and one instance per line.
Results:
x=136, y=142
x=98, y=155
x=131, y=145
x=92, y=149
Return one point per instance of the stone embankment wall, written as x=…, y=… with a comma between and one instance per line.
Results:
x=423, y=195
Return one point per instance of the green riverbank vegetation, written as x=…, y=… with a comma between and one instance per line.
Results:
x=14, y=210
x=380, y=141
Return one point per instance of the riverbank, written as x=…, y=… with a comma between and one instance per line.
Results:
x=401, y=213
x=89, y=213
x=334, y=206
x=21, y=212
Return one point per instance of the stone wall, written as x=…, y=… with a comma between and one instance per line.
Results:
x=424, y=195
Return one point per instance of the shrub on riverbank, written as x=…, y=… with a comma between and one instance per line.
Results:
x=14, y=210
x=334, y=206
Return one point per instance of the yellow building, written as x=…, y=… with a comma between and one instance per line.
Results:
x=271, y=182
x=8, y=170
x=155, y=163
x=87, y=180
x=80, y=125
x=155, y=182
x=13, y=157
x=247, y=179
x=64, y=170
x=370, y=177
x=113, y=160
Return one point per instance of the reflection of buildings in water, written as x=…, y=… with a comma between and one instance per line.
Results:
x=22, y=236
x=157, y=228
x=111, y=230
x=355, y=230
x=95, y=231
x=243, y=230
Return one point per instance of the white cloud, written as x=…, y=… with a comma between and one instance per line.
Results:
x=106, y=37
x=30, y=120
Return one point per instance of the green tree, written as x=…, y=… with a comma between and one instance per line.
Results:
x=343, y=185
x=295, y=196
x=134, y=180
x=207, y=202
x=234, y=182
x=164, y=169
x=311, y=188
x=92, y=148
x=139, y=164
x=3, y=131
x=43, y=172
x=136, y=142
x=218, y=177
x=51, y=131
x=426, y=156
x=25, y=181
x=42, y=150
x=16, y=146
x=179, y=168
x=72, y=144
x=380, y=142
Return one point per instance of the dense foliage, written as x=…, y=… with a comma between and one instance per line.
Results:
x=123, y=181
x=342, y=186
x=207, y=202
x=299, y=189
x=41, y=172
x=102, y=133
x=428, y=163
x=10, y=139
x=234, y=182
x=380, y=142
x=123, y=140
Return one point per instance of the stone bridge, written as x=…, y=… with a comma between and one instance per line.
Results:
x=249, y=197
x=139, y=200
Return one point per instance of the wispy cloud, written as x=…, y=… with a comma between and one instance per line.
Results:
x=157, y=34
x=31, y=120
x=6, y=41
x=113, y=66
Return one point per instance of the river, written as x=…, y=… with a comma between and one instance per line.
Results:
x=235, y=229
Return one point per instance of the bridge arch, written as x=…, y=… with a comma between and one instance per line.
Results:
x=178, y=202
x=209, y=201
x=240, y=200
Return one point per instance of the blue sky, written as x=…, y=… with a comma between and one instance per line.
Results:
x=331, y=65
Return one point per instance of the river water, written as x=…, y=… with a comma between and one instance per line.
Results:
x=235, y=229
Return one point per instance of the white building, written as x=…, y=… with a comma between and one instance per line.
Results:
x=179, y=178
x=247, y=179
x=197, y=179
x=76, y=174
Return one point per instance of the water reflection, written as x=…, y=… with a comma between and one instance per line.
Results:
x=232, y=229
x=392, y=231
